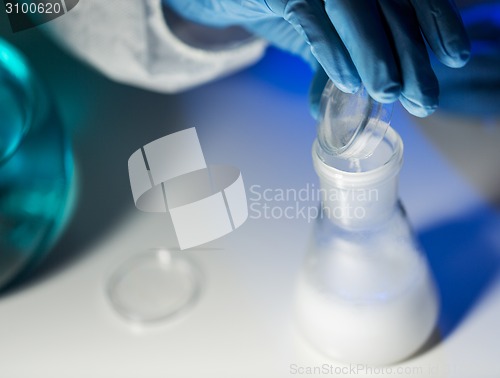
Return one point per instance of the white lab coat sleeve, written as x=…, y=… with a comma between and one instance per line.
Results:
x=129, y=41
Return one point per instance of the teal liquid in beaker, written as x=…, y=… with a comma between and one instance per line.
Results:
x=11, y=121
x=36, y=169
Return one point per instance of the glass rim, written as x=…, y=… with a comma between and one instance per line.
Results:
x=385, y=171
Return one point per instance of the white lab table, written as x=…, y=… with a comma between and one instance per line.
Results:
x=60, y=325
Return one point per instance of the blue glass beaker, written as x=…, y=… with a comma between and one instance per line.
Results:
x=36, y=168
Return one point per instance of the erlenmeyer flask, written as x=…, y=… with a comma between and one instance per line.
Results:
x=36, y=168
x=365, y=293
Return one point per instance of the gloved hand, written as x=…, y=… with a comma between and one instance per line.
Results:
x=377, y=42
x=475, y=90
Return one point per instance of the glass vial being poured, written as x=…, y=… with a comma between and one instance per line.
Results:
x=365, y=293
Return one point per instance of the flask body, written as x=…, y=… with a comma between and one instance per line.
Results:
x=365, y=293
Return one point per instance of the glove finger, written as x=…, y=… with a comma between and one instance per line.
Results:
x=475, y=89
x=316, y=90
x=420, y=90
x=359, y=24
x=444, y=30
x=308, y=17
x=282, y=35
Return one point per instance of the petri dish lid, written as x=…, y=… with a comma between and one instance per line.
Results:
x=351, y=125
x=154, y=286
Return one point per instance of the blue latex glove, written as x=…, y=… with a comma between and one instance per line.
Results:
x=377, y=42
x=475, y=90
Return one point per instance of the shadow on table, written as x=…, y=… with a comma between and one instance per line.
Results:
x=464, y=256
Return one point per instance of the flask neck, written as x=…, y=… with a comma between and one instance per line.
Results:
x=360, y=193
